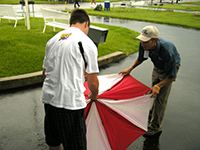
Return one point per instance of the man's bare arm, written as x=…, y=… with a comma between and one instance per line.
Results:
x=93, y=84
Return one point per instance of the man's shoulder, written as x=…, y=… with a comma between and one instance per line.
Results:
x=164, y=41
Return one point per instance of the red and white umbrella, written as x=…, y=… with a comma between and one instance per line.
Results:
x=120, y=114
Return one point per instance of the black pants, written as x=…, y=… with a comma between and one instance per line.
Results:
x=66, y=127
x=76, y=3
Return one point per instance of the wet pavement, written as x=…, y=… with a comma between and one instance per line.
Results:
x=21, y=112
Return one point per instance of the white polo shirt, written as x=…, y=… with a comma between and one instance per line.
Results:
x=64, y=64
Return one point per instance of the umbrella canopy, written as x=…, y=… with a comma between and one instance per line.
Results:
x=119, y=115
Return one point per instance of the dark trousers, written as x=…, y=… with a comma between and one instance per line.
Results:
x=66, y=127
x=76, y=3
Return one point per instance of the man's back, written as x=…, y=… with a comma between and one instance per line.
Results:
x=64, y=64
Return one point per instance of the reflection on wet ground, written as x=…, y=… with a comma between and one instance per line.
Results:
x=152, y=142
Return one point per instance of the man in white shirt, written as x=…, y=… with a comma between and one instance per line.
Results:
x=63, y=69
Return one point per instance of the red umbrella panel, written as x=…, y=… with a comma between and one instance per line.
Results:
x=120, y=114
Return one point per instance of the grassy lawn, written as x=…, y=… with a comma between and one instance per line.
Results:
x=173, y=18
x=194, y=3
x=179, y=7
x=47, y=2
x=22, y=51
x=36, y=2
x=50, y=2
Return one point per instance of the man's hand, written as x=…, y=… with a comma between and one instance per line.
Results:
x=156, y=88
x=155, y=91
x=92, y=96
x=125, y=72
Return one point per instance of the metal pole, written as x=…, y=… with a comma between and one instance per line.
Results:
x=27, y=15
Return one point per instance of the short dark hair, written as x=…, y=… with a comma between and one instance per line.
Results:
x=79, y=16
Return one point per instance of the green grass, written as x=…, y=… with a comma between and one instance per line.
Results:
x=118, y=39
x=179, y=7
x=173, y=18
x=47, y=2
x=193, y=3
x=50, y=2
x=36, y=2
x=22, y=51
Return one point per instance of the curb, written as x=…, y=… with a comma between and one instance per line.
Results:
x=36, y=77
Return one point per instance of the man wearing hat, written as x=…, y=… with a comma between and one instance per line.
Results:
x=166, y=60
